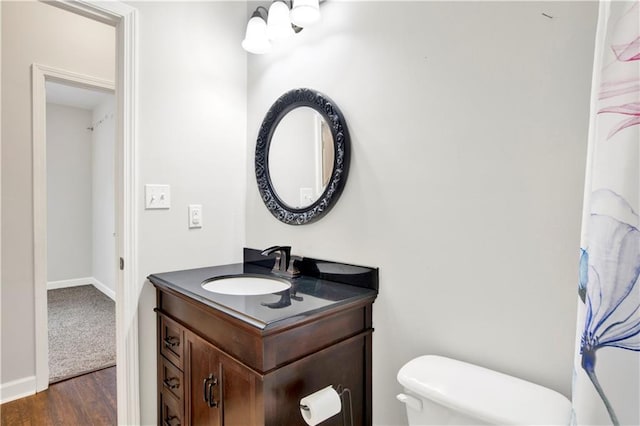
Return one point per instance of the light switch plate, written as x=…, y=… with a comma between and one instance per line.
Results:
x=195, y=216
x=157, y=196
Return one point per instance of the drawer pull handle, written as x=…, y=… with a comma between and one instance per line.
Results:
x=171, y=341
x=172, y=383
x=207, y=391
x=169, y=421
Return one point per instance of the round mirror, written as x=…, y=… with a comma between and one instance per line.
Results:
x=303, y=135
x=302, y=156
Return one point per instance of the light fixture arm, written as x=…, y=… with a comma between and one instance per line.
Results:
x=256, y=13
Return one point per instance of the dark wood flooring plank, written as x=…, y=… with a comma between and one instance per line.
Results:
x=67, y=408
x=94, y=404
x=83, y=401
x=15, y=413
x=41, y=409
x=106, y=378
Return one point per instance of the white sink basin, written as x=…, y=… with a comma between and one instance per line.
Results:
x=242, y=285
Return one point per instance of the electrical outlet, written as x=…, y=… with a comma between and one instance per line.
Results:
x=195, y=216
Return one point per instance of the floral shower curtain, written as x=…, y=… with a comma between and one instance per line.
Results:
x=606, y=387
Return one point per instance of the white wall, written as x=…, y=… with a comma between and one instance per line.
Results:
x=69, y=193
x=103, y=184
x=192, y=136
x=1, y=136
x=32, y=32
x=80, y=196
x=468, y=123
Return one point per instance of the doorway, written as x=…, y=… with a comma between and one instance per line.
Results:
x=124, y=19
x=81, y=250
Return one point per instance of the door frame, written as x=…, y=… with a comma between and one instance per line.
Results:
x=40, y=75
x=124, y=19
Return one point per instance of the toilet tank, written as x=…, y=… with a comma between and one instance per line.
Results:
x=443, y=391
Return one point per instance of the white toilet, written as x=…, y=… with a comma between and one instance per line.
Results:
x=443, y=391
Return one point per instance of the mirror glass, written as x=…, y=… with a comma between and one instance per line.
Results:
x=301, y=157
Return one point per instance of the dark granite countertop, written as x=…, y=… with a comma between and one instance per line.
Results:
x=309, y=294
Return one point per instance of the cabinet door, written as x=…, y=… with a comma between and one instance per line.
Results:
x=203, y=382
x=241, y=401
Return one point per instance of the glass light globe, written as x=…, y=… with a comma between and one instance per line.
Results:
x=256, y=39
x=278, y=22
x=305, y=12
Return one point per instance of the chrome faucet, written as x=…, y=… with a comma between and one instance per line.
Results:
x=285, y=264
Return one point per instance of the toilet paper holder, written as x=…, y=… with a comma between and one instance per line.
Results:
x=344, y=393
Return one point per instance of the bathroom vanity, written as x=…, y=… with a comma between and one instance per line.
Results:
x=249, y=359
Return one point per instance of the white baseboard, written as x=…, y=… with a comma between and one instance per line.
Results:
x=52, y=285
x=103, y=288
x=17, y=389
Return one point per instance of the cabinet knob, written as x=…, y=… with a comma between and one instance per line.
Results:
x=171, y=341
x=172, y=383
x=172, y=421
x=207, y=391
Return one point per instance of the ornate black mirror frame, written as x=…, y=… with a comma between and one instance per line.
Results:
x=322, y=104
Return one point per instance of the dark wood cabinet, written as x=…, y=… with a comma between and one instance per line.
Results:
x=203, y=392
x=214, y=369
x=221, y=391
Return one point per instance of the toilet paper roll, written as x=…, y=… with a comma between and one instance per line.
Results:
x=320, y=405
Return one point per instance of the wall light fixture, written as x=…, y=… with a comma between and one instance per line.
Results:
x=282, y=20
x=256, y=39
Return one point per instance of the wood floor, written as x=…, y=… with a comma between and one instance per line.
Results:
x=84, y=401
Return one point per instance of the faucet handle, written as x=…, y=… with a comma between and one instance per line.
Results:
x=293, y=270
x=282, y=254
x=284, y=249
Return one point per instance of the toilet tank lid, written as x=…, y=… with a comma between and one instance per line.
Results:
x=484, y=394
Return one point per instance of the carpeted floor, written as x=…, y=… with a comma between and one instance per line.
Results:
x=82, y=332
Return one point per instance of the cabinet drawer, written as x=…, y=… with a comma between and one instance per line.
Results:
x=171, y=341
x=171, y=379
x=171, y=410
